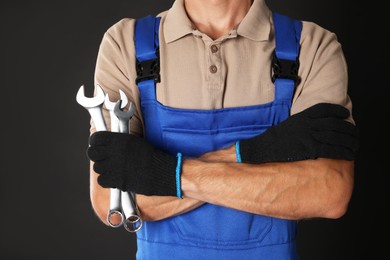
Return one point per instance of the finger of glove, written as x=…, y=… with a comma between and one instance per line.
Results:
x=96, y=153
x=336, y=152
x=102, y=167
x=336, y=125
x=327, y=110
x=100, y=138
x=337, y=139
x=107, y=181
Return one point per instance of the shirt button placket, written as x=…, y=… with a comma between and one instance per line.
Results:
x=215, y=74
x=214, y=49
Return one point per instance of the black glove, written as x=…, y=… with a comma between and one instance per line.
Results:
x=319, y=131
x=130, y=163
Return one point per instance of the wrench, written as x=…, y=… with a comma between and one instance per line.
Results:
x=115, y=209
x=110, y=107
x=94, y=106
x=133, y=221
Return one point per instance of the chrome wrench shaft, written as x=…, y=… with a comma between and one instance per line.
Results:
x=115, y=216
x=133, y=220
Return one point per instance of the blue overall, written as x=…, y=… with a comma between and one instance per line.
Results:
x=210, y=231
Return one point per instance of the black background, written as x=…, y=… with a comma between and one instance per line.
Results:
x=48, y=50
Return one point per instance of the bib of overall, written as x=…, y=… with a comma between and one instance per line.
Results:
x=210, y=231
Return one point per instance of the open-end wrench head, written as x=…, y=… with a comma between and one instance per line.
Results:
x=123, y=98
x=123, y=115
x=89, y=102
x=111, y=104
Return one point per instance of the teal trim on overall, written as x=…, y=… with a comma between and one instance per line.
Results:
x=238, y=152
x=178, y=175
x=210, y=231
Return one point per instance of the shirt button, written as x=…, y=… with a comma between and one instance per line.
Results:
x=214, y=48
x=213, y=69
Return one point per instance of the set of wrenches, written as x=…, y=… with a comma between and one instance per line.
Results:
x=123, y=210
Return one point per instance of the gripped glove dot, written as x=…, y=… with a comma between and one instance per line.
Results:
x=319, y=131
x=130, y=163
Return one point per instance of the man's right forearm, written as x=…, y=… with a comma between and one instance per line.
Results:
x=152, y=208
x=155, y=208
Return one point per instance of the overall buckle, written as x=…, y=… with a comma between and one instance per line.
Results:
x=282, y=68
x=148, y=69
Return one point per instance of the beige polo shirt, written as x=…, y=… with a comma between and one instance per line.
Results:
x=198, y=72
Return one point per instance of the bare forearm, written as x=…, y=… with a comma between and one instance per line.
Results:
x=100, y=197
x=160, y=207
x=294, y=190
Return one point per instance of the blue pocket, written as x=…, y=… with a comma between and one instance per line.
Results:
x=224, y=228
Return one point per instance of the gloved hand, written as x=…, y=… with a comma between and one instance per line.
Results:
x=319, y=131
x=130, y=163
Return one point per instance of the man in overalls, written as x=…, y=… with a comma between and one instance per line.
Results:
x=243, y=129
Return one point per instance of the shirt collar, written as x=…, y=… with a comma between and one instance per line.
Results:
x=177, y=24
x=255, y=25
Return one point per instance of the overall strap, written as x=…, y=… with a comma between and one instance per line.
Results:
x=147, y=53
x=285, y=61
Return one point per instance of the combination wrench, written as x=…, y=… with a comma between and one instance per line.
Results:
x=133, y=221
x=115, y=216
x=94, y=106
